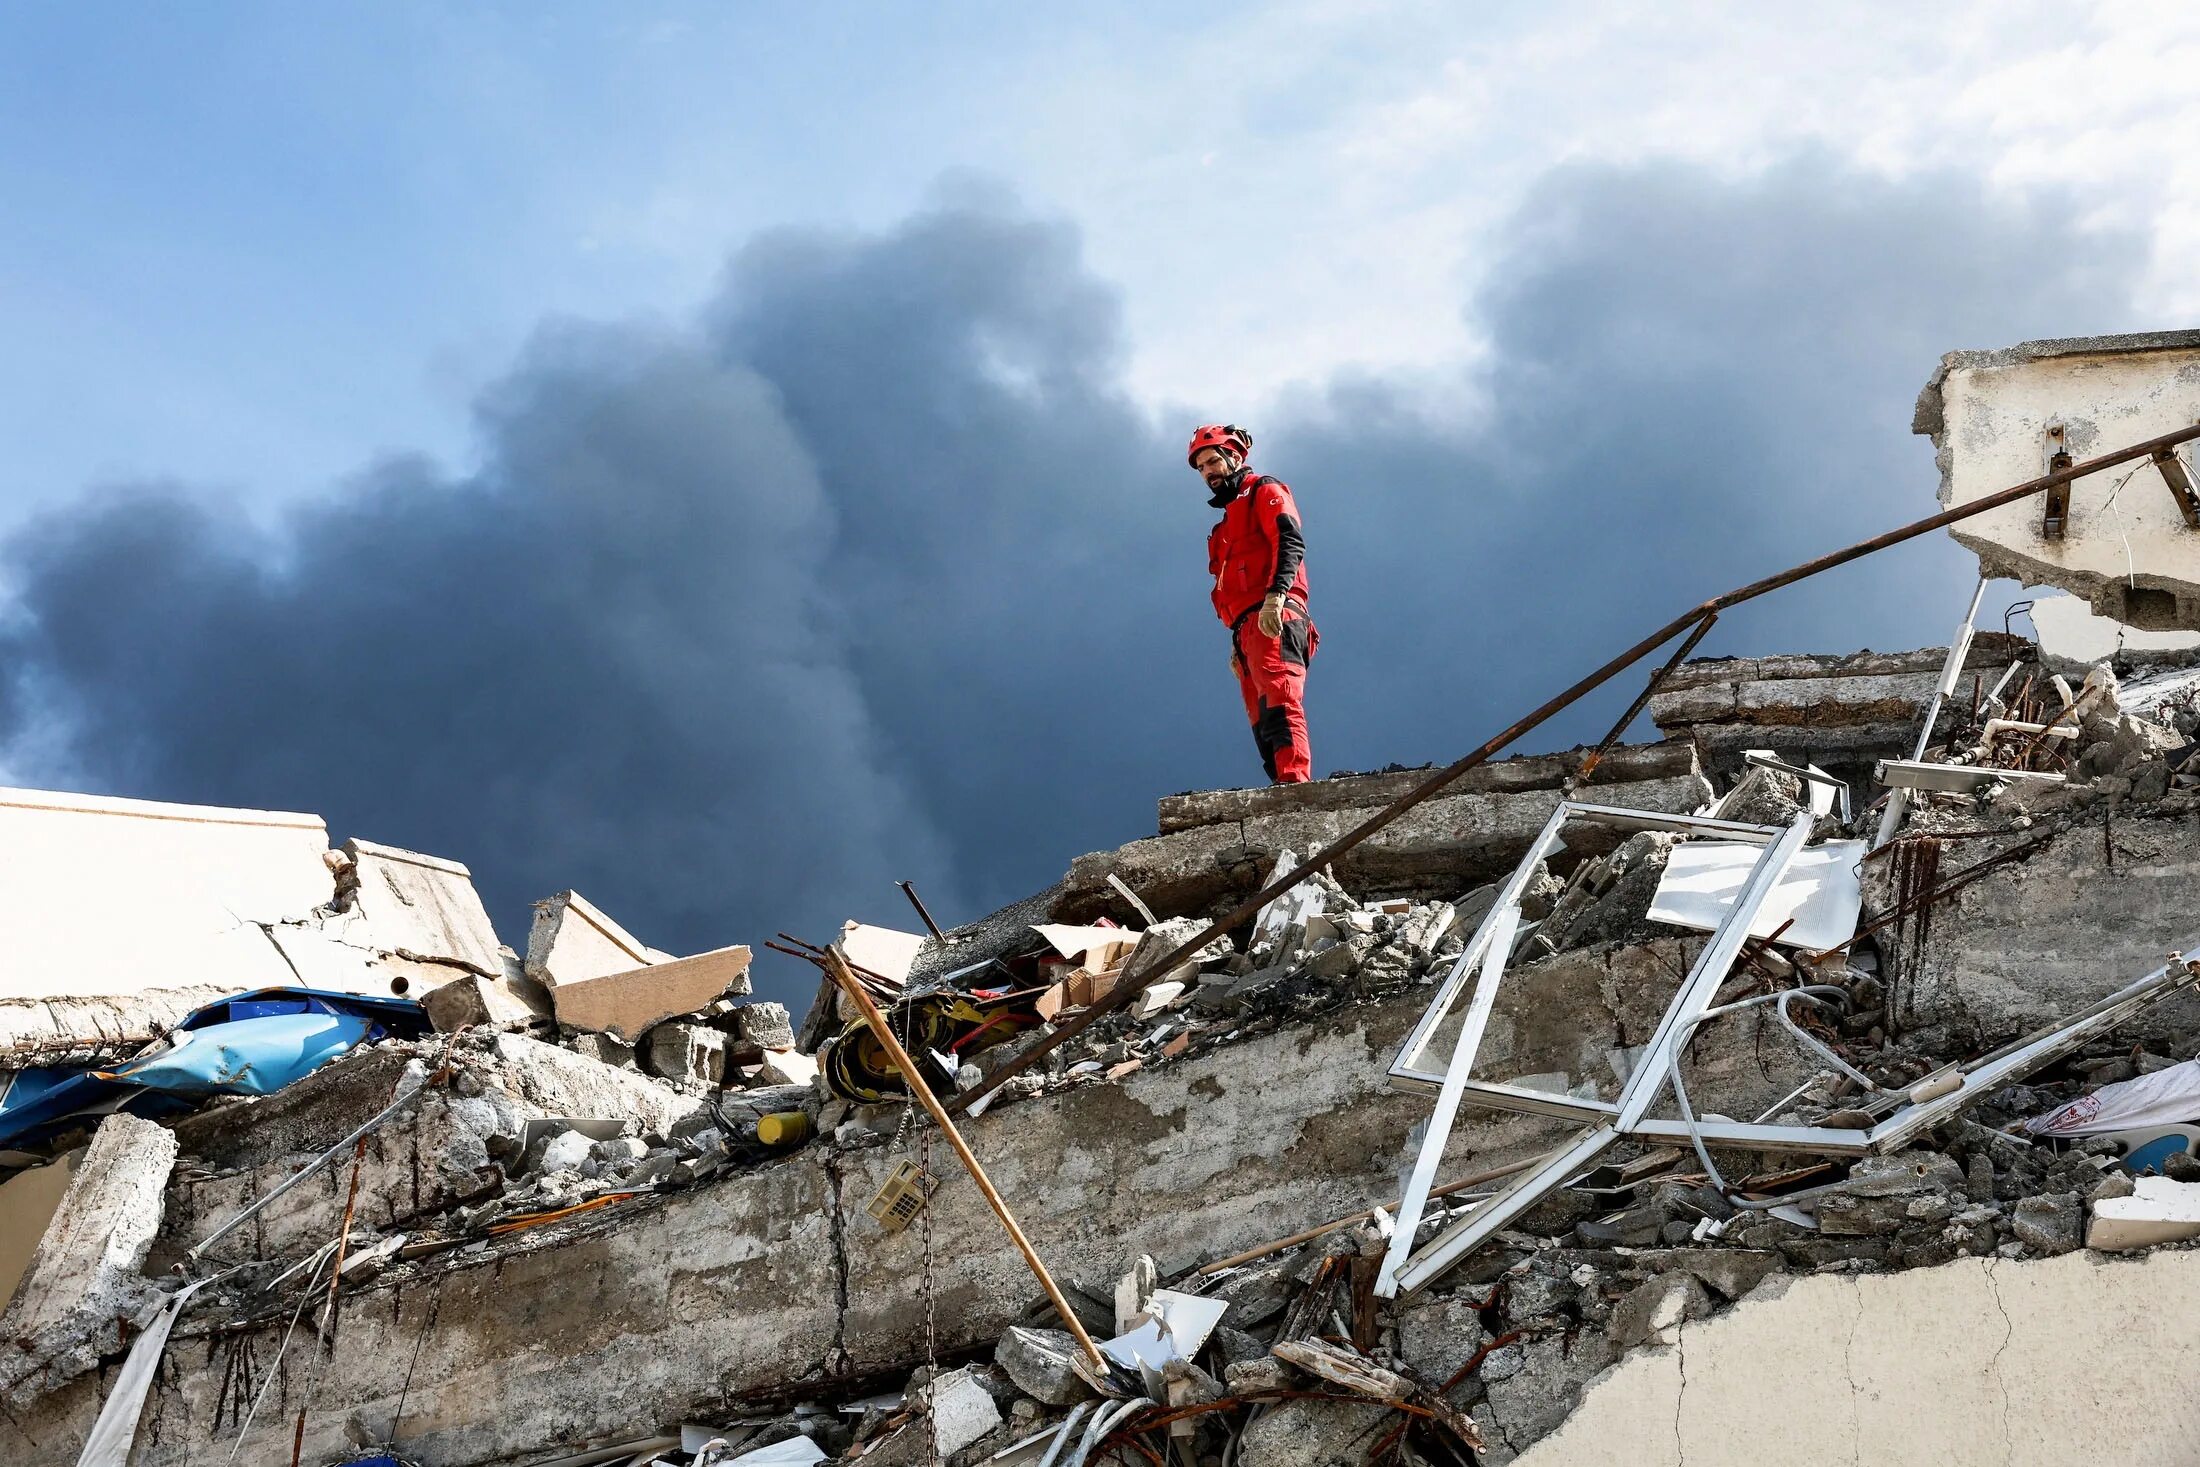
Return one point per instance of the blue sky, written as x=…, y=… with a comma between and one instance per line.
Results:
x=1553, y=313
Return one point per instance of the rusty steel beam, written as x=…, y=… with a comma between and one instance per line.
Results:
x=2180, y=484
x=1642, y=700
x=1436, y=783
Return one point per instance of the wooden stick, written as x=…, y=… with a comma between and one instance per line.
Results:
x=923, y=1092
x=1352, y=1217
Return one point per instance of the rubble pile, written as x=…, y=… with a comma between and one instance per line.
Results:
x=717, y=1236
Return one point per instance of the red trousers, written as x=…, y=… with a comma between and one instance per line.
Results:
x=1271, y=673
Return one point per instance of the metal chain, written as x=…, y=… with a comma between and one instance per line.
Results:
x=910, y=1121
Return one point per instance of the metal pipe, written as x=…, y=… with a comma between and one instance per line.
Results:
x=909, y=890
x=1642, y=699
x=1959, y=648
x=415, y=1080
x=1436, y=783
x=1821, y=993
x=1061, y=1435
x=1101, y=1424
x=885, y=1035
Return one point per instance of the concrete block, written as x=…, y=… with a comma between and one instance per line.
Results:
x=603, y=1049
x=962, y=1409
x=564, y=1152
x=765, y=1025
x=1038, y=1360
x=628, y=1003
x=475, y=1001
x=1991, y=416
x=1313, y=1433
x=685, y=1052
x=2158, y=1210
x=88, y=1270
x=423, y=906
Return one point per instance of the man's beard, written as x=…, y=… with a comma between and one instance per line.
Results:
x=1226, y=489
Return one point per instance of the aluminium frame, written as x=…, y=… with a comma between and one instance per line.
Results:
x=1934, y=1099
x=1405, y=1270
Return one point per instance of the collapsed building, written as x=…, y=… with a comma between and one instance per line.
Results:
x=1819, y=1081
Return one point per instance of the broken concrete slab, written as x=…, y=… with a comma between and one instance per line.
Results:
x=573, y=940
x=1997, y=417
x=422, y=906
x=2156, y=1210
x=2073, y=637
x=627, y=1003
x=1624, y=764
x=1448, y=844
x=455, y=1143
x=1939, y=1354
x=2042, y=937
x=87, y=1274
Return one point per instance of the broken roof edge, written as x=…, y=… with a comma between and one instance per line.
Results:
x=643, y=954
x=83, y=804
x=355, y=847
x=1927, y=417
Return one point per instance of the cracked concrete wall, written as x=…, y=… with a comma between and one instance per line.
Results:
x=2095, y=908
x=773, y=1281
x=176, y=891
x=2080, y=1358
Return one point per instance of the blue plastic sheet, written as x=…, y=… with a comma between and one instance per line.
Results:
x=38, y=1105
x=246, y=1056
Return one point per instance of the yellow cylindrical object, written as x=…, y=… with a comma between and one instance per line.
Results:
x=783, y=1127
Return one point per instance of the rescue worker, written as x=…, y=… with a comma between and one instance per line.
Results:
x=1257, y=556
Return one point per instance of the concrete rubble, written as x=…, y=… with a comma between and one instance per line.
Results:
x=609, y=1209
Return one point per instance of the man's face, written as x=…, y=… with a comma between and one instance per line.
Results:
x=1216, y=465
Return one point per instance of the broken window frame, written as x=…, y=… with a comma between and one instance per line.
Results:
x=1406, y=1270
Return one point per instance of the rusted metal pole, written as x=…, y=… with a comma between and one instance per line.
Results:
x=1435, y=784
x=1642, y=700
x=909, y=890
x=885, y=1035
x=1448, y=1189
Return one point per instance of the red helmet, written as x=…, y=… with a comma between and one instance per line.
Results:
x=1220, y=435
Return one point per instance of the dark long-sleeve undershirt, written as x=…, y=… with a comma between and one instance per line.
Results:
x=1290, y=550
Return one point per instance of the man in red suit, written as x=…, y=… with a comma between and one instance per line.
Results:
x=1257, y=555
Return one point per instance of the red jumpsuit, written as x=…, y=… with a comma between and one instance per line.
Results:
x=1258, y=549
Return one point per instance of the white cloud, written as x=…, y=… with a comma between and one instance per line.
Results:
x=1317, y=187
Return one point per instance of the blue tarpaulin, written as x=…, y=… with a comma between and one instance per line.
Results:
x=254, y=1043
x=257, y=1056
